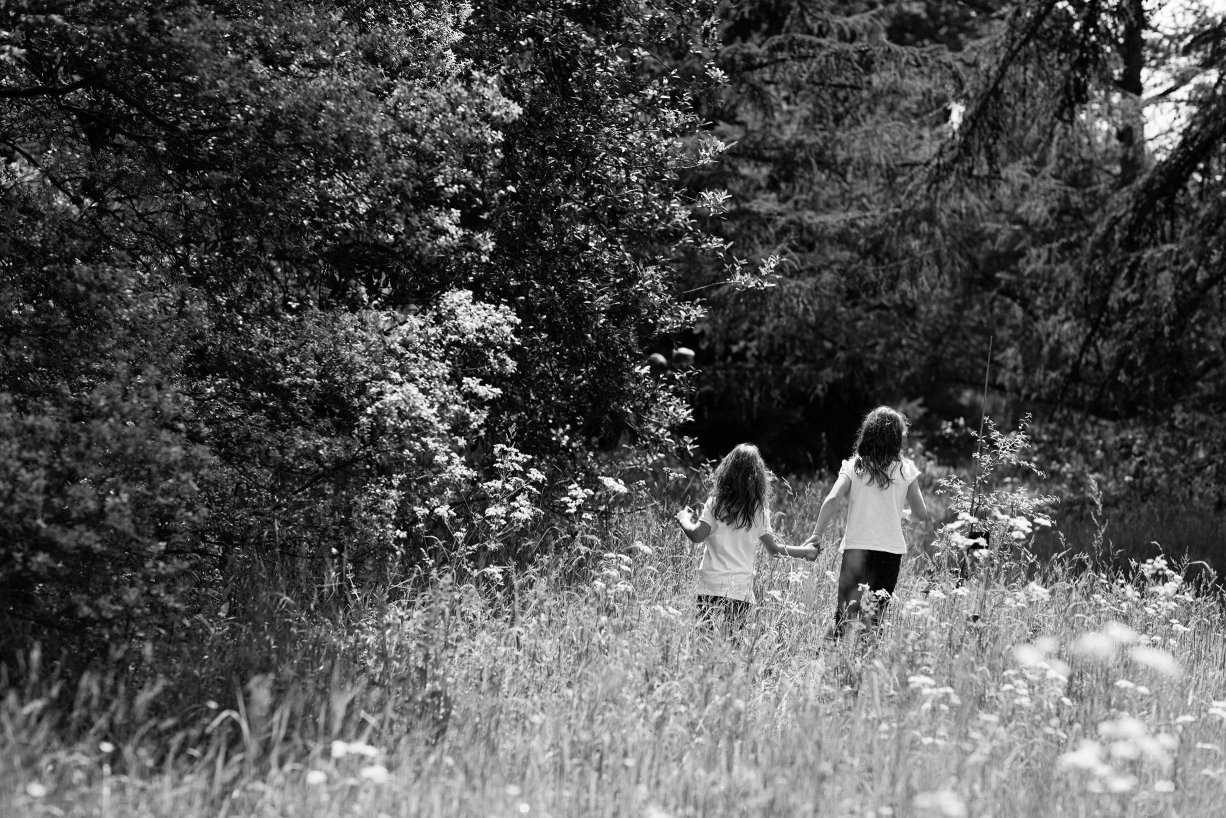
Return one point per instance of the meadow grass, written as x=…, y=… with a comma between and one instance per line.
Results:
x=583, y=687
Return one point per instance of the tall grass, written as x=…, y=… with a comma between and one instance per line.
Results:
x=563, y=692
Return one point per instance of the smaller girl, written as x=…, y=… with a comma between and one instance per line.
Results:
x=735, y=518
x=878, y=482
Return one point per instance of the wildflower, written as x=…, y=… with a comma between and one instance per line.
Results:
x=614, y=485
x=1095, y=647
x=943, y=802
x=1124, y=684
x=1124, y=727
x=1156, y=659
x=1087, y=756
x=340, y=749
x=1037, y=592
x=1185, y=719
x=106, y=747
x=316, y=778
x=1120, y=633
x=376, y=773
x=1028, y=655
x=36, y=790
x=1164, y=786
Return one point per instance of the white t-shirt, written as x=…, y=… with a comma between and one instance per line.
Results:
x=874, y=514
x=727, y=561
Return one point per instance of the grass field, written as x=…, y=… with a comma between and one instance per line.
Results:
x=589, y=691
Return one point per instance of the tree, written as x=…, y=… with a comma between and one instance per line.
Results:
x=299, y=278
x=830, y=121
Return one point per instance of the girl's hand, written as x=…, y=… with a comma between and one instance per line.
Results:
x=814, y=542
x=685, y=516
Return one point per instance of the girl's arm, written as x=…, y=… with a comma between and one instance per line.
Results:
x=915, y=499
x=919, y=513
x=826, y=516
x=696, y=530
x=800, y=552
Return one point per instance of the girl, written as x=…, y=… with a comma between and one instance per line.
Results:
x=734, y=519
x=878, y=481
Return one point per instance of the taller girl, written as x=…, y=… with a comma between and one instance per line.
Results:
x=878, y=481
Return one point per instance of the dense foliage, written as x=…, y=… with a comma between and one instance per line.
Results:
x=935, y=174
x=322, y=287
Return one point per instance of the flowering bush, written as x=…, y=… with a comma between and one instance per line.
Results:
x=986, y=516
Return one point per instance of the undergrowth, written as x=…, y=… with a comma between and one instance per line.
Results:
x=1060, y=689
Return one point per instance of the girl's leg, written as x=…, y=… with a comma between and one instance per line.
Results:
x=852, y=574
x=882, y=575
x=736, y=613
x=729, y=615
x=706, y=610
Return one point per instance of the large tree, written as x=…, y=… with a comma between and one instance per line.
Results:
x=303, y=284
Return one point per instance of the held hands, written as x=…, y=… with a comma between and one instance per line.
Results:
x=686, y=517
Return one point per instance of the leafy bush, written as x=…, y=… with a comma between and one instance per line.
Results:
x=326, y=289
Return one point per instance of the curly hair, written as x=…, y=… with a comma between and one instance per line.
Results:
x=879, y=444
x=742, y=487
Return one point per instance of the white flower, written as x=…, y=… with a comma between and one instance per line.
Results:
x=1124, y=727
x=942, y=802
x=375, y=772
x=1095, y=647
x=36, y=790
x=614, y=485
x=1120, y=633
x=1087, y=756
x=316, y=777
x=1156, y=659
x=1027, y=655
x=340, y=749
x=1037, y=592
x=1164, y=786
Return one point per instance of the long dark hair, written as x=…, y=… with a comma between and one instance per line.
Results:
x=741, y=487
x=879, y=444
